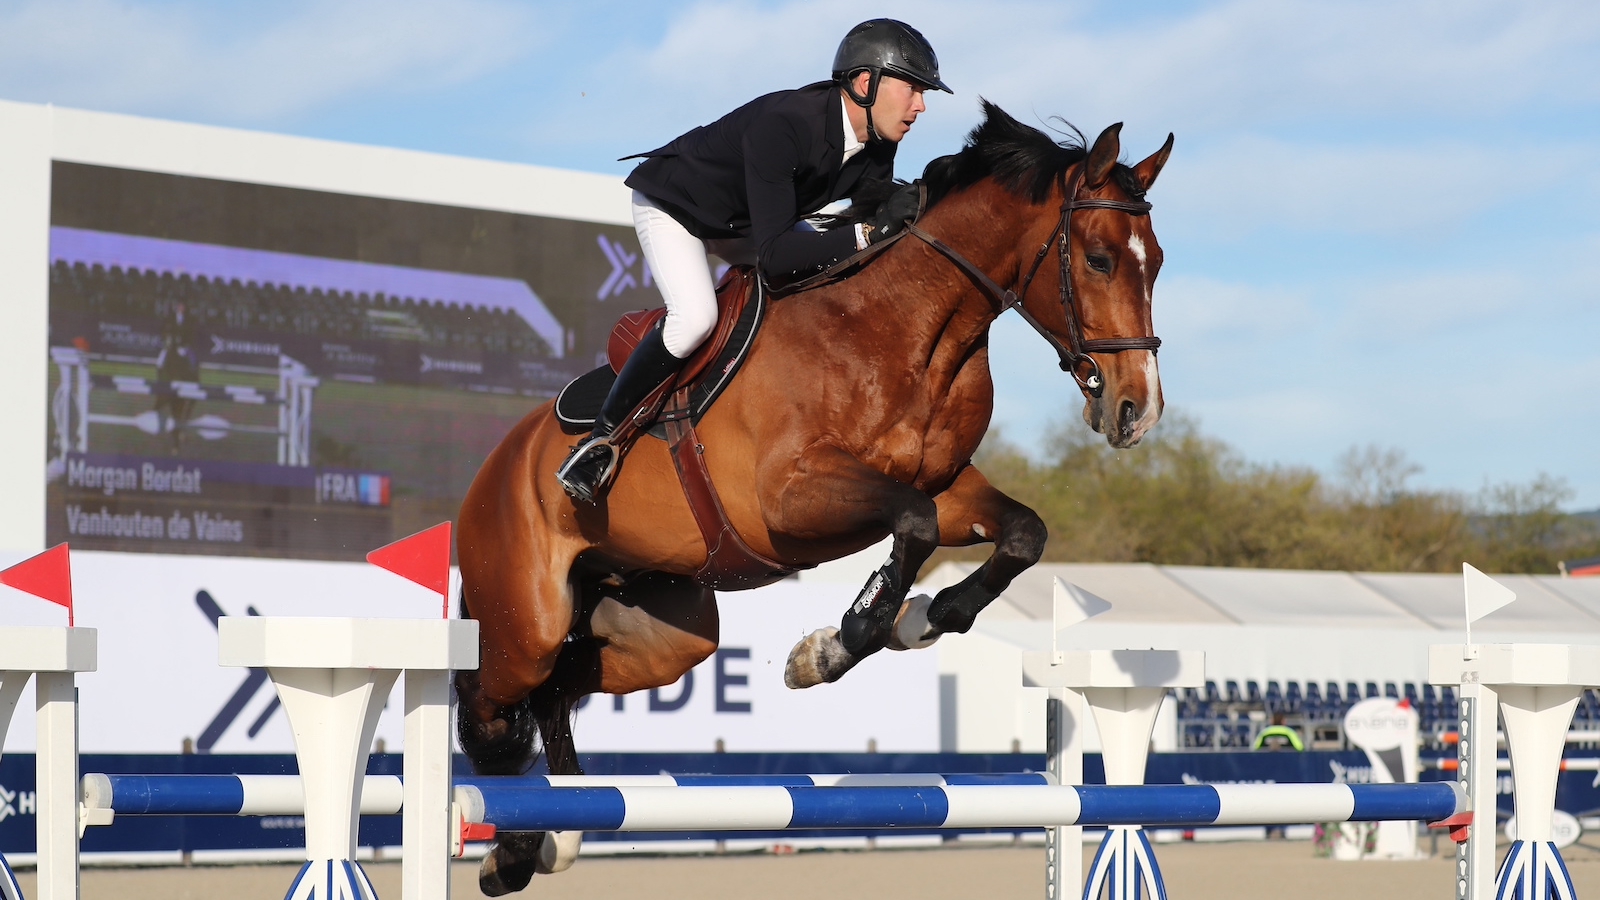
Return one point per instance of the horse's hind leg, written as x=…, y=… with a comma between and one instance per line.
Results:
x=842, y=495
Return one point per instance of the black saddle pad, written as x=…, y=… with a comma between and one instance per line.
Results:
x=578, y=404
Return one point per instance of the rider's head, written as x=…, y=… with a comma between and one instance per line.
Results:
x=886, y=47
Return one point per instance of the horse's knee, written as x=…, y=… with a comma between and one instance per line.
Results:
x=1022, y=539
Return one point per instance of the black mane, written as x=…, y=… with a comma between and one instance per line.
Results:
x=1025, y=160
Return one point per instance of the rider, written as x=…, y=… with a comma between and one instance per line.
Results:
x=741, y=188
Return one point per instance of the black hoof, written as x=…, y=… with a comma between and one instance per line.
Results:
x=510, y=863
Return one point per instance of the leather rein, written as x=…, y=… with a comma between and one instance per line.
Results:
x=1074, y=354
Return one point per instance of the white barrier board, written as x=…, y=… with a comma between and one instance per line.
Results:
x=159, y=683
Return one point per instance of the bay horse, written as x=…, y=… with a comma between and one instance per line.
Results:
x=855, y=416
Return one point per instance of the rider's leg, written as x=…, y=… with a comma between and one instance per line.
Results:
x=677, y=261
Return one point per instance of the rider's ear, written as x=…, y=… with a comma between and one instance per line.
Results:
x=1102, y=156
x=1148, y=168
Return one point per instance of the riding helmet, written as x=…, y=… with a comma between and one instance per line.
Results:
x=881, y=46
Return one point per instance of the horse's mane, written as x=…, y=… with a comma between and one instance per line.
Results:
x=1024, y=160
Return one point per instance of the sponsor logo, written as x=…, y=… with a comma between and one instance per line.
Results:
x=1343, y=774
x=461, y=366
x=869, y=594
x=622, y=262
x=17, y=803
x=221, y=344
x=343, y=355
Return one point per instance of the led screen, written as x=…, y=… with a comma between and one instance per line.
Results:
x=250, y=370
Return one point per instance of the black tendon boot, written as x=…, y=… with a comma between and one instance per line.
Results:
x=592, y=463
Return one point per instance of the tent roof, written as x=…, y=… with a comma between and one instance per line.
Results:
x=1144, y=593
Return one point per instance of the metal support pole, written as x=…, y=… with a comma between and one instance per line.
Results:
x=425, y=865
x=57, y=786
x=1063, y=845
x=1475, y=859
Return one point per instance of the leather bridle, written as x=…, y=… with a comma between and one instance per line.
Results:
x=1074, y=354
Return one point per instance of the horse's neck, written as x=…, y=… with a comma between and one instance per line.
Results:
x=946, y=324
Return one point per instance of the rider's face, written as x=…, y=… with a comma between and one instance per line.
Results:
x=898, y=105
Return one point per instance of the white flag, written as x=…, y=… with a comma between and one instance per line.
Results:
x=1484, y=594
x=1073, y=604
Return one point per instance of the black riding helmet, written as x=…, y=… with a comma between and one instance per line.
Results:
x=880, y=46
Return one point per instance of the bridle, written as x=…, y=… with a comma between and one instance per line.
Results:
x=1074, y=354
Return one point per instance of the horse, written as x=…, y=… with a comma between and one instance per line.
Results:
x=855, y=416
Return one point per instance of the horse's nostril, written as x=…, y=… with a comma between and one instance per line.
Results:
x=1126, y=414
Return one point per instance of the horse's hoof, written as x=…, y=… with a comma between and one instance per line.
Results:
x=510, y=863
x=819, y=658
x=558, y=851
x=911, y=628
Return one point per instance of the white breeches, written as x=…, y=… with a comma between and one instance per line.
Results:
x=678, y=264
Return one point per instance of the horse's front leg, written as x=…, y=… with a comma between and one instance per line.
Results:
x=972, y=510
x=830, y=493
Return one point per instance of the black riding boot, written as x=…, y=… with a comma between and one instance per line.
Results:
x=592, y=463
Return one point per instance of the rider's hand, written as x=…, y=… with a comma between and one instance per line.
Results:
x=897, y=209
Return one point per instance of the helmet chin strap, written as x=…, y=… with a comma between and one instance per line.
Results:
x=872, y=131
x=867, y=102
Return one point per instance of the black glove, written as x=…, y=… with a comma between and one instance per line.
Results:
x=896, y=210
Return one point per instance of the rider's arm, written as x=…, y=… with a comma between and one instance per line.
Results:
x=773, y=158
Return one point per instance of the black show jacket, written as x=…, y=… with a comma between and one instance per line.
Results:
x=758, y=170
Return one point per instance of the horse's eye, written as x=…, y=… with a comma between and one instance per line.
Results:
x=1099, y=262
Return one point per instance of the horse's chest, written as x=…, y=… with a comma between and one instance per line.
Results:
x=933, y=439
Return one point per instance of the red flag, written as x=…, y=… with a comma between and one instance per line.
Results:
x=423, y=558
x=47, y=576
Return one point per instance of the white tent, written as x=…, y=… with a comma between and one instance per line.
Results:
x=1254, y=625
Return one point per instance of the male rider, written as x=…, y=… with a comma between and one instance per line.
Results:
x=741, y=187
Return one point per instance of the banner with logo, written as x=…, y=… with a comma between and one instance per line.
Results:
x=159, y=688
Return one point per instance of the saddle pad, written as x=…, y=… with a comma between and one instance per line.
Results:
x=578, y=404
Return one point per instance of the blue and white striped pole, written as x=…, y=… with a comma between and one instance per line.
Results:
x=223, y=795
x=512, y=806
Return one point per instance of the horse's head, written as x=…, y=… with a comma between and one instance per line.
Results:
x=1102, y=309
x=1080, y=207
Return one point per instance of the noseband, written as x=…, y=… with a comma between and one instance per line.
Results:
x=1074, y=354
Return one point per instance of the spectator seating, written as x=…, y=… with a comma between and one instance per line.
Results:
x=115, y=293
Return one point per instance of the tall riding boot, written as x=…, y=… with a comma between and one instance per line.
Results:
x=592, y=463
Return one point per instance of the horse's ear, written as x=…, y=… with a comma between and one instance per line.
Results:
x=1148, y=168
x=1102, y=156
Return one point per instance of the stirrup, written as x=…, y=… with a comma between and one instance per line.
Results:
x=579, y=475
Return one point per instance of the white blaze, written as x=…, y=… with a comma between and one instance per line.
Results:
x=1136, y=244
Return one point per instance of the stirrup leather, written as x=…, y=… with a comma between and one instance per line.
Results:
x=576, y=474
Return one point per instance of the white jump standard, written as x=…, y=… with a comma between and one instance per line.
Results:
x=55, y=655
x=333, y=676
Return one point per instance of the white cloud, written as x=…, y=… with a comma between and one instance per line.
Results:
x=252, y=64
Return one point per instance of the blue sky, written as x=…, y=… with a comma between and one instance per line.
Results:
x=1379, y=219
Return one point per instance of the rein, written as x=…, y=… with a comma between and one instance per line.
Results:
x=1074, y=354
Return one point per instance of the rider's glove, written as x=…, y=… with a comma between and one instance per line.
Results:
x=896, y=210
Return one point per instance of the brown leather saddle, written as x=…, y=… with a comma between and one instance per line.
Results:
x=671, y=411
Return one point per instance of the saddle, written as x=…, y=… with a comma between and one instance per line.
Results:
x=671, y=411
